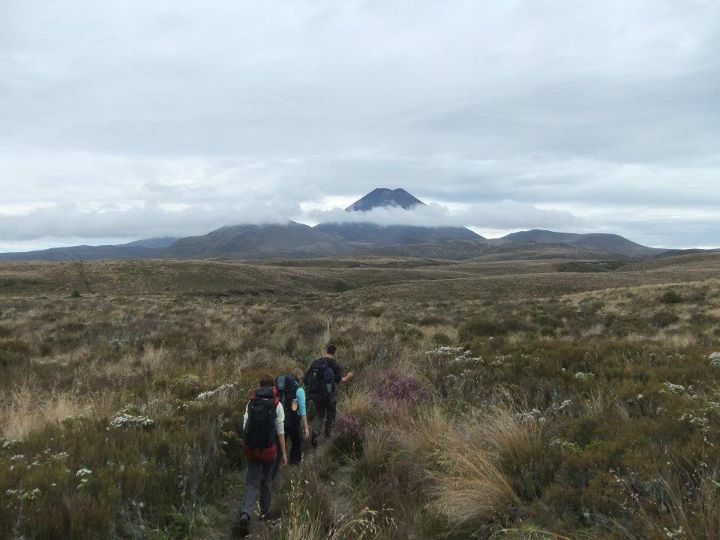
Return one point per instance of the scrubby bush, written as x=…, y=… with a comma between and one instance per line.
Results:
x=663, y=319
x=403, y=389
x=482, y=326
x=347, y=441
x=671, y=297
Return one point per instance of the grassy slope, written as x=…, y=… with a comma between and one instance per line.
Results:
x=149, y=336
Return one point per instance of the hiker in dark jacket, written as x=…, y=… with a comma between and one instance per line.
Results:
x=322, y=379
x=263, y=432
x=292, y=396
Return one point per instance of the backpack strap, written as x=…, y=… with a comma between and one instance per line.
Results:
x=265, y=392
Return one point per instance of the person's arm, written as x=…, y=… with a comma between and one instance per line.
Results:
x=280, y=430
x=302, y=411
x=339, y=377
x=306, y=428
x=283, y=449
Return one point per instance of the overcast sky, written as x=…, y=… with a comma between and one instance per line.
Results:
x=123, y=120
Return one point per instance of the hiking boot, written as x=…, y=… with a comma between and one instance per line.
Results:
x=241, y=528
x=313, y=439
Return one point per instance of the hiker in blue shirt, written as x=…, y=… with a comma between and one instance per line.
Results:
x=292, y=395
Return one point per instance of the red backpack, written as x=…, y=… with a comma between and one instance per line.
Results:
x=259, y=435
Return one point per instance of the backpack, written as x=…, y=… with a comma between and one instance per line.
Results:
x=320, y=378
x=287, y=387
x=259, y=434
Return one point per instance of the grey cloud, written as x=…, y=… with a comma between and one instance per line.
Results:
x=121, y=106
x=69, y=221
x=503, y=215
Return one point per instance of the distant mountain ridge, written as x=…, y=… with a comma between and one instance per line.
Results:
x=140, y=249
x=605, y=242
x=353, y=237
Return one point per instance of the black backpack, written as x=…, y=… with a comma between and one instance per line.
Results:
x=259, y=434
x=320, y=378
x=287, y=387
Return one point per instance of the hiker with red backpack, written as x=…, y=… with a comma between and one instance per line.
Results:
x=263, y=431
x=292, y=396
x=321, y=380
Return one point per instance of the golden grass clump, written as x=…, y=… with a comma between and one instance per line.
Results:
x=458, y=461
x=470, y=484
x=27, y=409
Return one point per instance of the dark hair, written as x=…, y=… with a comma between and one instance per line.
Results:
x=267, y=380
x=331, y=349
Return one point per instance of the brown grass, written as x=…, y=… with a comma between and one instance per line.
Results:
x=28, y=409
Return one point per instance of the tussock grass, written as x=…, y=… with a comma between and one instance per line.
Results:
x=305, y=523
x=469, y=484
x=28, y=409
x=688, y=506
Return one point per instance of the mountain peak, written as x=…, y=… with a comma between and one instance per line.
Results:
x=384, y=197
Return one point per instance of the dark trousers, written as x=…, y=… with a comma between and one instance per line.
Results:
x=325, y=410
x=258, y=478
x=294, y=442
x=293, y=434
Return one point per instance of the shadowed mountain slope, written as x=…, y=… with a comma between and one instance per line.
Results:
x=259, y=242
x=395, y=235
x=612, y=243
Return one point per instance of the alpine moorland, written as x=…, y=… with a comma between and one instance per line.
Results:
x=538, y=398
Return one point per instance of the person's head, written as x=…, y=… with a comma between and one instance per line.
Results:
x=266, y=379
x=297, y=373
x=330, y=350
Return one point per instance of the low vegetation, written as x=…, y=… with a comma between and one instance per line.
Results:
x=492, y=400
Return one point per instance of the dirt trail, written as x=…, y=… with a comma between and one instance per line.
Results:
x=219, y=517
x=342, y=504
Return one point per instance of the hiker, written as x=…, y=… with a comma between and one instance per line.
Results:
x=263, y=431
x=292, y=396
x=321, y=380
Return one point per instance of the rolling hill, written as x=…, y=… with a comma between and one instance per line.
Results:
x=612, y=243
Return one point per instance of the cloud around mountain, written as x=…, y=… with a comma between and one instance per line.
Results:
x=502, y=215
x=148, y=220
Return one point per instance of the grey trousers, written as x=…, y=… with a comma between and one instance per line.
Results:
x=258, y=477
